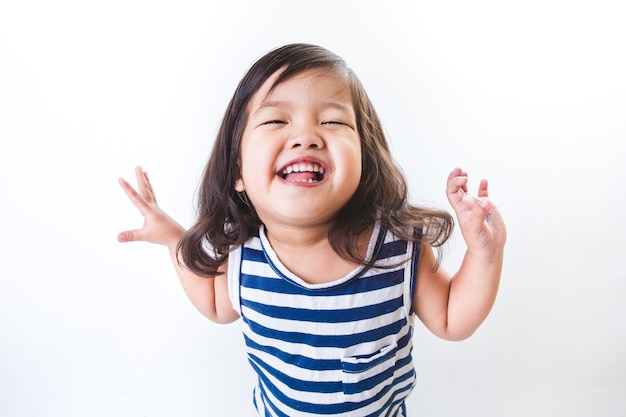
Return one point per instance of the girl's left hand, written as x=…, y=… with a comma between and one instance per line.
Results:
x=479, y=219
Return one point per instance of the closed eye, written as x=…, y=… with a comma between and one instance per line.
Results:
x=274, y=122
x=333, y=122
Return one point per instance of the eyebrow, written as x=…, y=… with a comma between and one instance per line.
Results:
x=270, y=104
x=331, y=104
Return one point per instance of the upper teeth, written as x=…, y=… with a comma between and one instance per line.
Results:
x=303, y=167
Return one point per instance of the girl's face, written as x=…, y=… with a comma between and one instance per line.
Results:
x=300, y=150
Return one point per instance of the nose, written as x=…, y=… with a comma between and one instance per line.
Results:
x=307, y=137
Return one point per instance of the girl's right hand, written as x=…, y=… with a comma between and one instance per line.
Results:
x=158, y=227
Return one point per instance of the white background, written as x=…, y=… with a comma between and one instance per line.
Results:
x=531, y=95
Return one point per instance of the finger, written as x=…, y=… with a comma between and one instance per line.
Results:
x=135, y=198
x=456, y=187
x=457, y=180
x=465, y=177
x=455, y=173
x=145, y=187
x=483, y=189
x=141, y=181
x=148, y=183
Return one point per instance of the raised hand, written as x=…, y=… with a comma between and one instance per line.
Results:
x=480, y=221
x=158, y=226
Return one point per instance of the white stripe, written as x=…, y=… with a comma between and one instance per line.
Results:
x=408, y=277
x=321, y=328
x=234, y=258
x=265, y=270
x=295, y=371
x=364, y=299
x=254, y=243
x=260, y=269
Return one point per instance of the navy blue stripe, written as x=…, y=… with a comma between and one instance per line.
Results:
x=415, y=262
x=414, y=265
x=338, y=341
x=326, y=387
x=405, y=340
x=391, y=249
x=253, y=255
x=300, y=361
x=326, y=316
x=387, y=278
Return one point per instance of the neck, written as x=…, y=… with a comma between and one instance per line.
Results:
x=307, y=253
x=295, y=238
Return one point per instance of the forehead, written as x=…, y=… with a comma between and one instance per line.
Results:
x=328, y=85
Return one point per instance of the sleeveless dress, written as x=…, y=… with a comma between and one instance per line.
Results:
x=335, y=349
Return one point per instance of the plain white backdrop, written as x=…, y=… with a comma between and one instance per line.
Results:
x=531, y=95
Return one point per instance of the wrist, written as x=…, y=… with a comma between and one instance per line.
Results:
x=174, y=237
x=488, y=255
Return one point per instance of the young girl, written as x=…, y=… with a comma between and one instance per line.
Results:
x=304, y=231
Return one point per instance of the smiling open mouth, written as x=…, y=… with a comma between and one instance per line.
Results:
x=303, y=172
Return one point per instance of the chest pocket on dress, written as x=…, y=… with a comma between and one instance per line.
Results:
x=364, y=373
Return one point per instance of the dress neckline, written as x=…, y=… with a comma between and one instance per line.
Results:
x=283, y=272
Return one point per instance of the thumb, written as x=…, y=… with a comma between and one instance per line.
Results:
x=129, y=236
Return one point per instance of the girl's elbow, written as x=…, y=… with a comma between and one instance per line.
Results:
x=221, y=317
x=226, y=319
x=453, y=333
x=457, y=335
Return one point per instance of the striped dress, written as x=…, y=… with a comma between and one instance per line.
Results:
x=336, y=349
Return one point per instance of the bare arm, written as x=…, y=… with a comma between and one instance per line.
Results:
x=208, y=295
x=454, y=307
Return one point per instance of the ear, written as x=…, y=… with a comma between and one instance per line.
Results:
x=239, y=186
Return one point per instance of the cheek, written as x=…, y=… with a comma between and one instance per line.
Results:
x=247, y=171
x=256, y=165
x=357, y=162
x=353, y=172
x=247, y=158
x=358, y=173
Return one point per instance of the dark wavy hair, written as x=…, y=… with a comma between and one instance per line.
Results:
x=226, y=219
